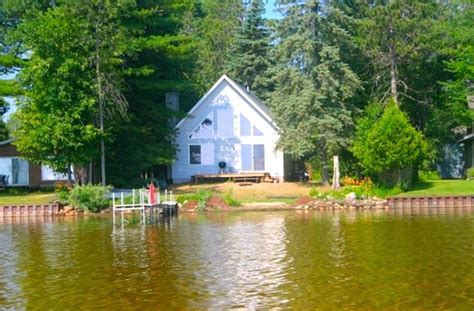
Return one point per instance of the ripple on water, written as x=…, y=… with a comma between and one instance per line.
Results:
x=241, y=260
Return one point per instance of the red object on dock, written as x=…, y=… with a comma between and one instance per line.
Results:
x=151, y=194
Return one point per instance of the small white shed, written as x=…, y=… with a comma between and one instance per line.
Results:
x=231, y=125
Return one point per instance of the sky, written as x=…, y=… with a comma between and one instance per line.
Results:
x=271, y=12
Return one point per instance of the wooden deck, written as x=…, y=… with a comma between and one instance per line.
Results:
x=235, y=177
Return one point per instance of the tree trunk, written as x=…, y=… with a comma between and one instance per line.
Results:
x=335, y=175
x=100, y=99
x=393, y=64
x=325, y=174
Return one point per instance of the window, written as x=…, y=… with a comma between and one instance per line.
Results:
x=205, y=129
x=225, y=123
x=256, y=132
x=201, y=154
x=247, y=129
x=195, y=154
x=244, y=126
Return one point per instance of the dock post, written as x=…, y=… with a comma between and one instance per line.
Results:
x=113, y=208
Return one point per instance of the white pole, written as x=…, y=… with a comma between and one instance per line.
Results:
x=113, y=208
x=335, y=175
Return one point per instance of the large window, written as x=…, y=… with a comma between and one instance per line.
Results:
x=247, y=129
x=225, y=123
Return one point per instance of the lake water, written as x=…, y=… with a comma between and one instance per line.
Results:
x=249, y=260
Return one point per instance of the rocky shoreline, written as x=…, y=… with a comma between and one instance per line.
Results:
x=305, y=203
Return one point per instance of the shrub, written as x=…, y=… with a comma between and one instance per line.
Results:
x=470, y=173
x=349, y=181
x=230, y=200
x=428, y=175
x=201, y=196
x=62, y=190
x=89, y=197
x=390, y=145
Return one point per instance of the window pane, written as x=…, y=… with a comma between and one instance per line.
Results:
x=225, y=123
x=256, y=132
x=244, y=126
x=195, y=154
x=205, y=129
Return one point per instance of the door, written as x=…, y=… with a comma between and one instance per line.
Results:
x=253, y=157
x=258, y=157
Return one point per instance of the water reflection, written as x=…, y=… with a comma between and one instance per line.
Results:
x=253, y=260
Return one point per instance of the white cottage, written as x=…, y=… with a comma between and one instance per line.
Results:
x=231, y=125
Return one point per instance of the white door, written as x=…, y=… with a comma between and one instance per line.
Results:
x=253, y=157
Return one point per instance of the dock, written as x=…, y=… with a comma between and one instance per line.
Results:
x=236, y=177
x=148, y=203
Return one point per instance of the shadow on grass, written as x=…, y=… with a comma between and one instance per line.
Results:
x=421, y=185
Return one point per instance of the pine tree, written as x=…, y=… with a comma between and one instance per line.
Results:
x=214, y=28
x=312, y=84
x=249, y=57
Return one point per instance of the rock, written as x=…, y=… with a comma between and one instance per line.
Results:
x=88, y=213
x=351, y=197
x=68, y=208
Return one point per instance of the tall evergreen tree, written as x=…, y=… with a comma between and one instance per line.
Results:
x=312, y=84
x=162, y=63
x=214, y=27
x=249, y=57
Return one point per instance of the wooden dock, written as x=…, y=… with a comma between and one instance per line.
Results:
x=235, y=177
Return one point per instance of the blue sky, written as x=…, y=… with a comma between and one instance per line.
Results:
x=271, y=10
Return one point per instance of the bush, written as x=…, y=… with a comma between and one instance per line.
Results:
x=388, y=146
x=470, y=173
x=428, y=175
x=201, y=196
x=89, y=197
x=62, y=190
x=230, y=200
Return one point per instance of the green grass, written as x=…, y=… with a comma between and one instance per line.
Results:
x=441, y=188
x=22, y=196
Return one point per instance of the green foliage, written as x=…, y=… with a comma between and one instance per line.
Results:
x=62, y=192
x=249, y=57
x=89, y=197
x=389, y=144
x=230, y=200
x=214, y=25
x=428, y=175
x=3, y=131
x=313, y=85
x=470, y=173
x=201, y=196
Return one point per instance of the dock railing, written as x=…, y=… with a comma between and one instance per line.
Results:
x=143, y=200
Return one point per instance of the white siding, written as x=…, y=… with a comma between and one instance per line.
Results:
x=225, y=105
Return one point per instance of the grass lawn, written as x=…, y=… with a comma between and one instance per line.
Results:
x=441, y=188
x=286, y=192
x=21, y=196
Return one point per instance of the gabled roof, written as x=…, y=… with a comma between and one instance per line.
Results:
x=6, y=142
x=253, y=100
